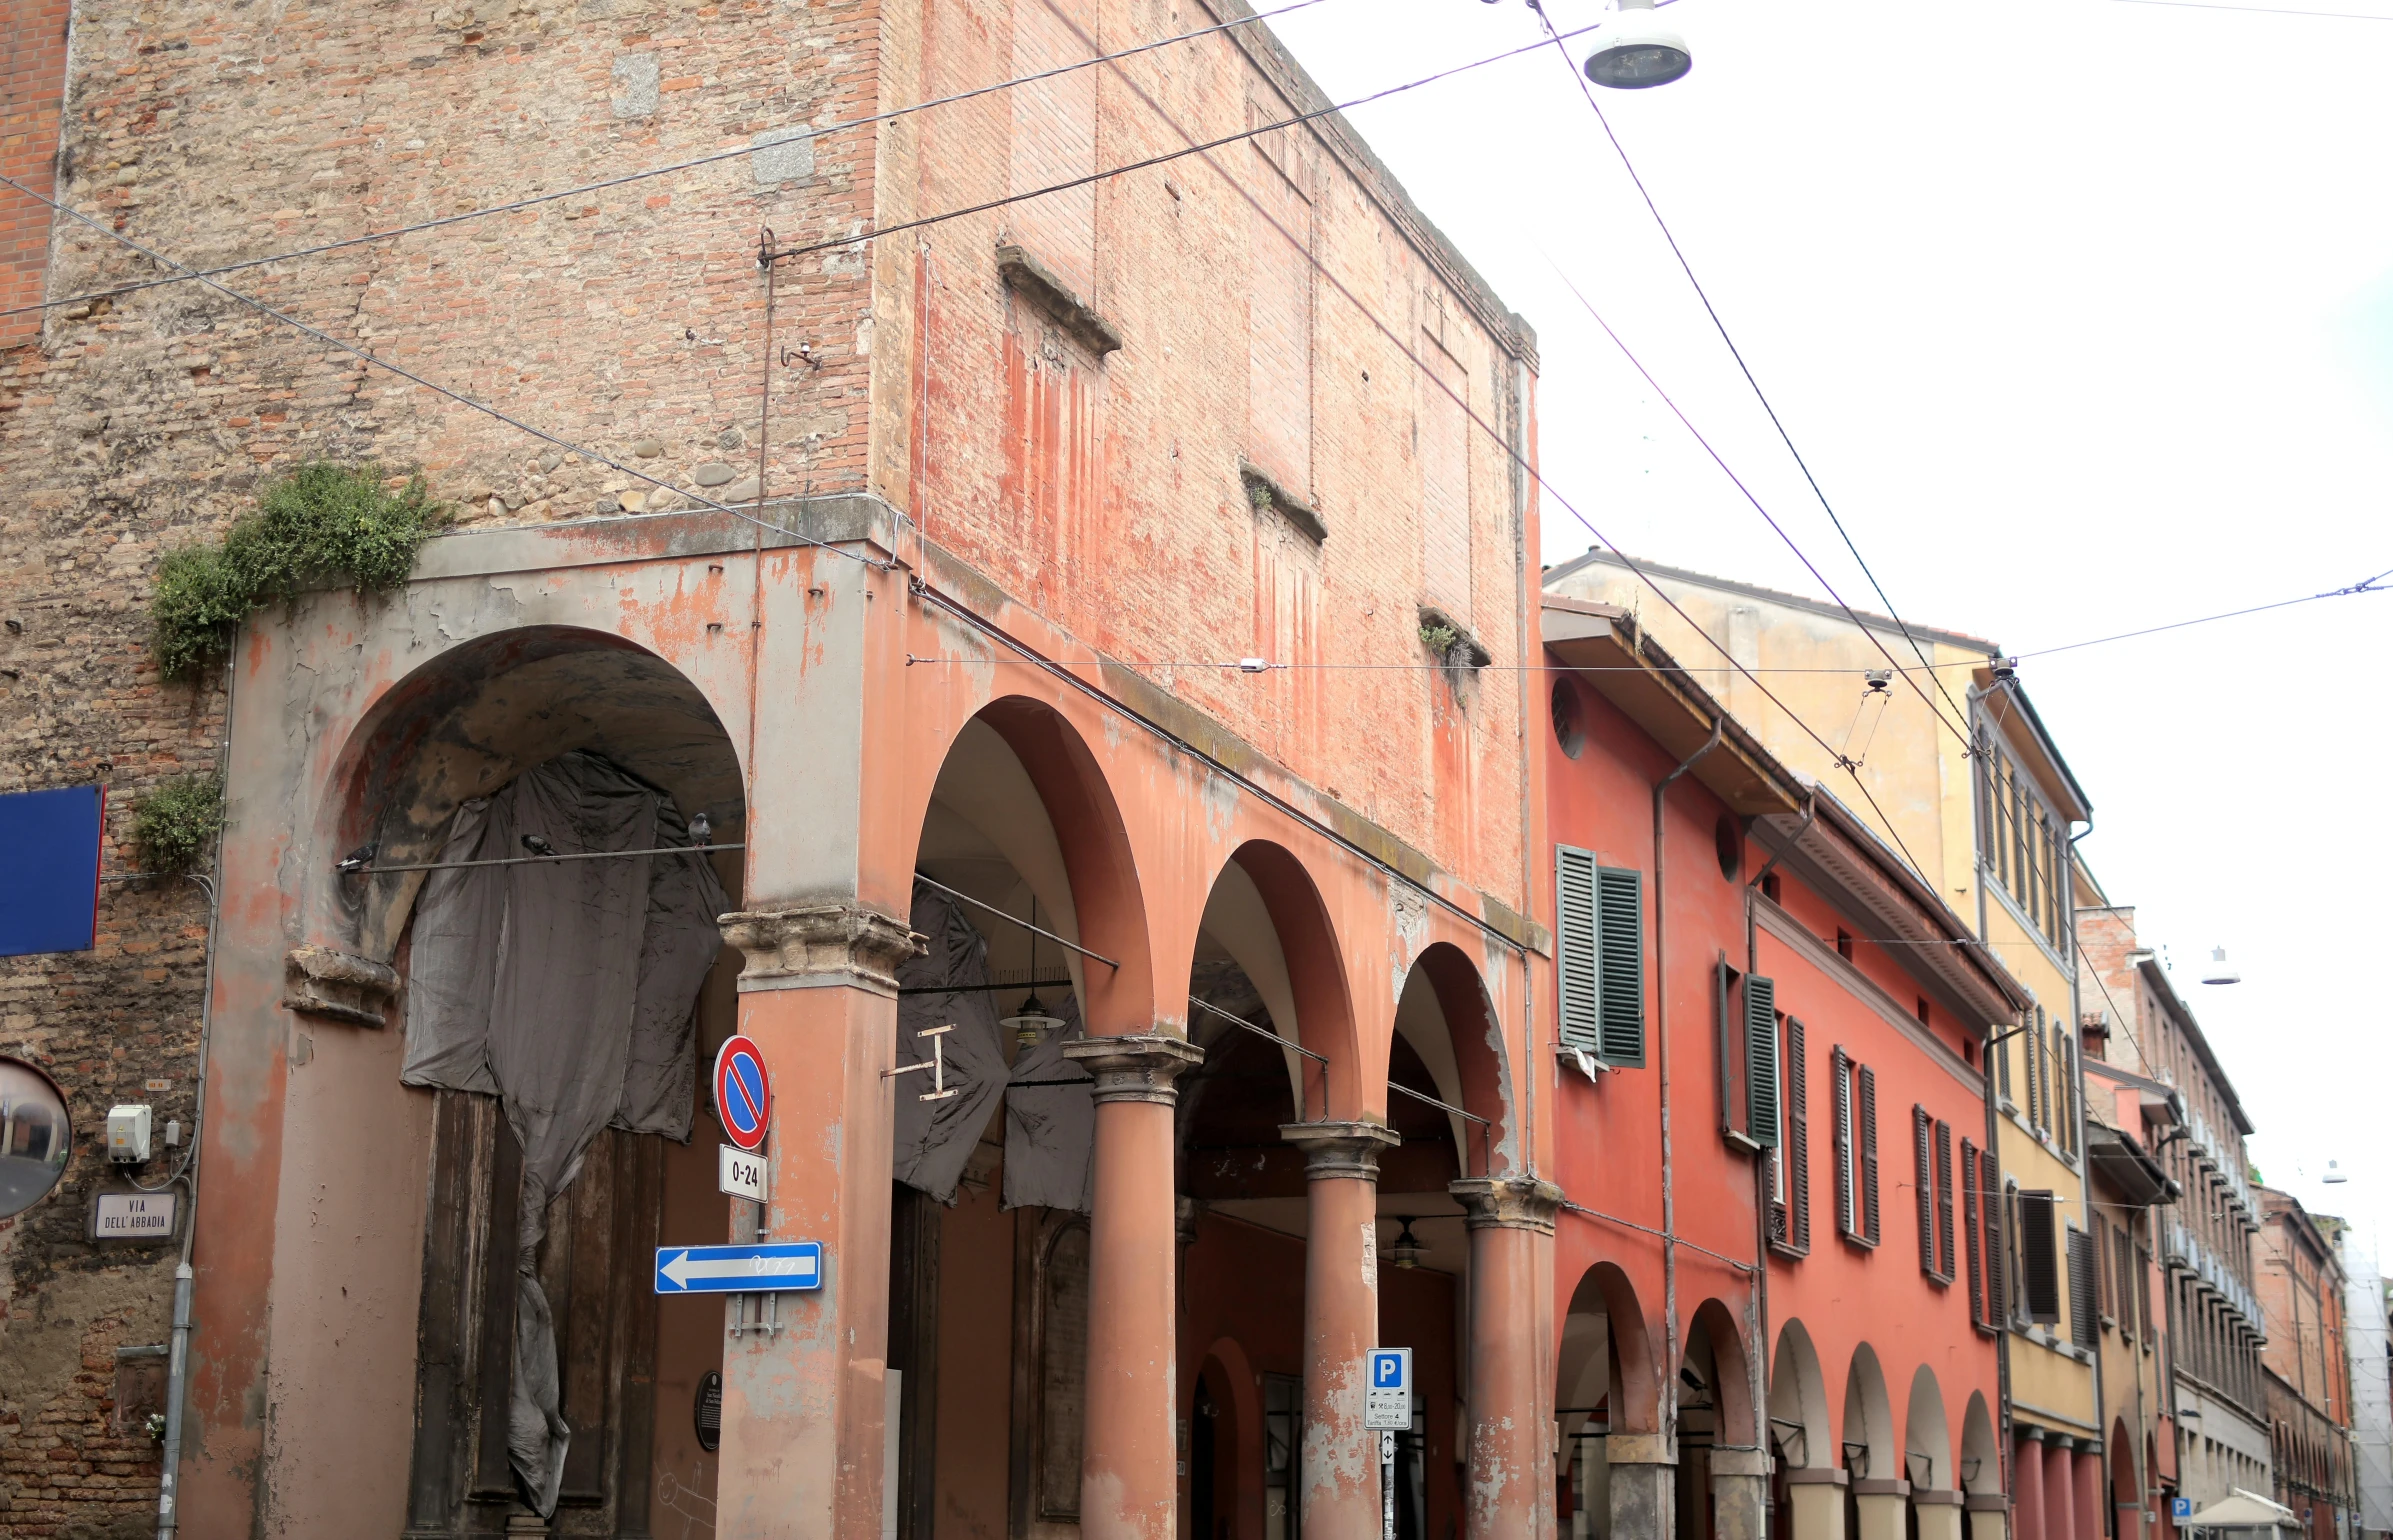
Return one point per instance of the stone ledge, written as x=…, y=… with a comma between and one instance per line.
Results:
x=1025, y=272
x=1264, y=490
x=323, y=982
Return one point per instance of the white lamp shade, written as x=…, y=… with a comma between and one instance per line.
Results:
x=2218, y=970
x=1634, y=51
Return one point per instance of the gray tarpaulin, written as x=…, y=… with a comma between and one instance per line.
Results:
x=934, y=1139
x=1051, y=1130
x=567, y=989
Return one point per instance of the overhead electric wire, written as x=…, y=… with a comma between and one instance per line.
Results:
x=437, y=388
x=2260, y=10
x=2366, y=586
x=534, y=200
x=1760, y=395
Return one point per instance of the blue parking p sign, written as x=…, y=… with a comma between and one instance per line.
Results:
x=1388, y=1389
x=2181, y=1508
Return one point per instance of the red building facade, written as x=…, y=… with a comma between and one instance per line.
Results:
x=1778, y=1280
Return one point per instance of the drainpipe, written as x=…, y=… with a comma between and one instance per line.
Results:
x=1661, y=1017
x=1978, y=795
x=178, y=1361
x=1760, y=1367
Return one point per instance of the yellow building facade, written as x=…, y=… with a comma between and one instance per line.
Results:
x=1949, y=763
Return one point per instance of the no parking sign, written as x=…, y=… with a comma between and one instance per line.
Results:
x=743, y=1092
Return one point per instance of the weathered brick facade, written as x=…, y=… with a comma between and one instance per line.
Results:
x=1162, y=502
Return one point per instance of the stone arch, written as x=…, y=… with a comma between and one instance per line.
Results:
x=1606, y=1341
x=1730, y=1376
x=470, y=720
x=1869, y=1420
x=1981, y=1457
x=1927, y=1435
x=1445, y=1015
x=1800, y=1431
x=1017, y=783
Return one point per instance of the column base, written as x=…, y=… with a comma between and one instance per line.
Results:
x=1644, y=1481
x=1819, y=1503
x=1989, y=1516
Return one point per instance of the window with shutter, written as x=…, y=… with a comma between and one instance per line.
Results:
x=2125, y=1281
x=2002, y=1069
x=1796, y=1151
x=1620, y=937
x=1925, y=1186
x=1944, y=1202
x=1990, y=1215
x=1841, y=1087
x=2039, y=1257
x=1973, y=1234
x=1761, y=1060
x=2084, y=1330
x=2032, y=1042
x=1578, y=961
x=2143, y=1297
x=2067, y=1059
x=2102, y=1267
x=1869, y=1153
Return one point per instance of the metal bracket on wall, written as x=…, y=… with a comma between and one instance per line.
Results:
x=768, y=1314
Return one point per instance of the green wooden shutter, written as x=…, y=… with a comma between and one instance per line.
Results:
x=1868, y=1087
x=1620, y=938
x=1841, y=1105
x=2039, y=1258
x=1944, y=1201
x=1578, y=966
x=1761, y=1060
x=1924, y=1164
x=1797, y=1152
x=1973, y=1234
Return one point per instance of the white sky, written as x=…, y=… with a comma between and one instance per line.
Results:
x=2082, y=312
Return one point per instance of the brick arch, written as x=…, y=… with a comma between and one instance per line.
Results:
x=469, y=720
x=1634, y=1399
x=1476, y=1038
x=1324, y=1003
x=1100, y=867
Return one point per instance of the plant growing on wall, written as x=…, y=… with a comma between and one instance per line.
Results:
x=321, y=522
x=175, y=826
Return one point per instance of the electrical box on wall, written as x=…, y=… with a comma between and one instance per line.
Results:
x=129, y=1133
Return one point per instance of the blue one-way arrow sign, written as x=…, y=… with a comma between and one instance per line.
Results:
x=739, y=1269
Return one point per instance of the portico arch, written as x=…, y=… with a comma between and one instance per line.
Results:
x=1927, y=1436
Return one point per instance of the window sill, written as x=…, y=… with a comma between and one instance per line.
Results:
x=1025, y=272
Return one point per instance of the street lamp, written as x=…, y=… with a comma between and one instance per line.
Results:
x=2218, y=970
x=1635, y=51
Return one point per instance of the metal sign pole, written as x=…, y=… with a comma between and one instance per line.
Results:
x=1387, y=1486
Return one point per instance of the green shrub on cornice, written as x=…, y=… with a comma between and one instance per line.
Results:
x=321, y=521
x=175, y=826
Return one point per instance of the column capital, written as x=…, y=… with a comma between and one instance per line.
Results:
x=1641, y=1449
x=320, y=981
x=1136, y=1067
x=1507, y=1202
x=1341, y=1149
x=809, y=946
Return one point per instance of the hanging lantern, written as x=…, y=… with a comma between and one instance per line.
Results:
x=1031, y=1024
x=1635, y=51
x=1405, y=1254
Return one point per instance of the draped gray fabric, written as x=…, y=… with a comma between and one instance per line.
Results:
x=1051, y=1130
x=567, y=989
x=934, y=1139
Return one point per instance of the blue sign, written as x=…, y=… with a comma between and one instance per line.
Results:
x=1387, y=1370
x=739, y=1269
x=50, y=870
x=1388, y=1389
x=2181, y=1508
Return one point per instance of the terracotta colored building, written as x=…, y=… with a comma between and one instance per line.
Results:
x=2210, y=1330
x=2298, y=1274
x=923, y=567
x=1781, y=1279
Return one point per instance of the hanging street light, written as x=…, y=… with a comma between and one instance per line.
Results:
x=1635, y=51
x=2218, y=970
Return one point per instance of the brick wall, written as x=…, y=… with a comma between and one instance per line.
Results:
x=33, y=40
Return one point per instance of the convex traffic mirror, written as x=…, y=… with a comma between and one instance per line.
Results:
x=34, y=1136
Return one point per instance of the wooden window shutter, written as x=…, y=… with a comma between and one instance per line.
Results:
x=2002, y=1067
x=1578, y=964
x=1796, y=1151
x=2104, y=1251
x=1990, y=1215
x=2039, y=1258
x=1925, y=1164
x=1869, y=1154
x=2143, y=1296
x=1944, y=1201
x=1620, y=938
x=1761, y=1060
x=2032, y=1044
x=1972, y=1233
x=2066, y=1059
x=1842, y=1085
x=2084, y=1329
x=2129, y=1285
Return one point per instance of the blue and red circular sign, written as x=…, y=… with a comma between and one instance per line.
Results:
x=743, y=1092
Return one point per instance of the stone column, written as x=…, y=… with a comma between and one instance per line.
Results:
x=1818, y=1494
x=2088, y=1488
x=1338, y=1466
x=2060, y=1502
x=1509, y=1484
x=1989, y=1513
x=2027, y=1483
x=1938, y=1512
x=803, y=1407
x=1644, y=1476
x=1884, y=1507
x=1740, y=1493
x=1129, y=1476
